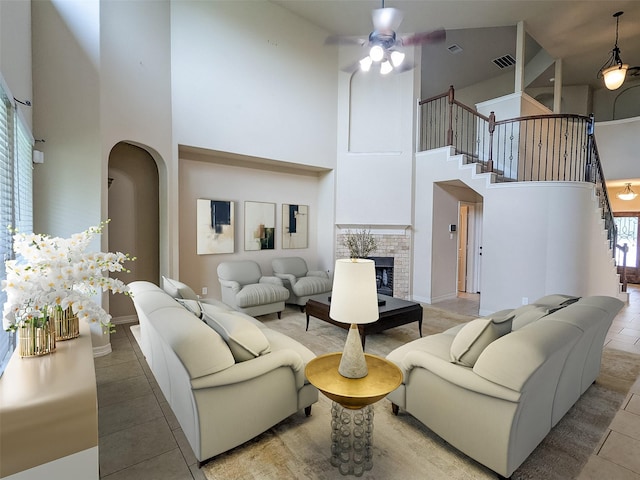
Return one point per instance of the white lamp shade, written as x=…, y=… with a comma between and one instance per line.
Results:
x=385, y=67
x=354, y=298
x=614, y=76
x=376, y=53
x=627, y=193
x=365, y=64
x=397, y=58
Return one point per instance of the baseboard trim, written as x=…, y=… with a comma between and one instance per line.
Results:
x=102, y=350
x=441, y=298
x=418, y=298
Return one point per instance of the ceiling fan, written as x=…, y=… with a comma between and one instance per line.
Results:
x=384, y=44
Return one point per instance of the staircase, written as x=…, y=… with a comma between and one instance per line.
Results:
x=524, y=149
x=498, y=173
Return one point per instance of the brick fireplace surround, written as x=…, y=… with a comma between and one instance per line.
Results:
x=397, y=245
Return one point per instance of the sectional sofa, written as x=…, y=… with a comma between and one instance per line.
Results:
x=225, y=375
x=494, y=387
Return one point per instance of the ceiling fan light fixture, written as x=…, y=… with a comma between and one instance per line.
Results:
x=614, y=70
x=385, y=67
x=627, y=193
x=365, y=64
x=397, y=58
x=376, y=53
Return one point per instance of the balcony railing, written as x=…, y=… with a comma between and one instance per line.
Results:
x=534, y=148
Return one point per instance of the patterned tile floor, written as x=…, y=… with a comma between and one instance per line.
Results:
x=140, y=438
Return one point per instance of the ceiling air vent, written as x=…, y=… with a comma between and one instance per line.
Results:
x=505, y=61
x=455, y=48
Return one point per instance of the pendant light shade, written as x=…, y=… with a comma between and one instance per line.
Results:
x=614, y=70
x=627, y=193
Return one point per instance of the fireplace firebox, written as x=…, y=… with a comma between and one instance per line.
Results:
x=384, y=275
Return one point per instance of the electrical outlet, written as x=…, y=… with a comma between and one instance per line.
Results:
x=205, y=290
x=525, y=300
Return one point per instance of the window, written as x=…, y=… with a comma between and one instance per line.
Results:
x=16, y=193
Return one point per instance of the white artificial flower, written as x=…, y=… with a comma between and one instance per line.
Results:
x=57, y=272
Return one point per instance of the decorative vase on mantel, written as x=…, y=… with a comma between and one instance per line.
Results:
x=66, y=323
x=36, y=337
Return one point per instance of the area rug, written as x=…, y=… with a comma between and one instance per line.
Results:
x=298, y=447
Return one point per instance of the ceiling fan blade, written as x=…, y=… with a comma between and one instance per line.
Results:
x=633, y=71
x=405, y=67
x=345, y=40
x=435, y=36
x=351, y=68
x=386, y=19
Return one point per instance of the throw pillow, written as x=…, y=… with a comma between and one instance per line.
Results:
x=245, y=339
x=475, y=336
x=178, y=289
x=557, y=300
x=192, y=305
x=526, y=314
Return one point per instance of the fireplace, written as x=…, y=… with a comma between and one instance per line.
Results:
x=394, y=251
x=384, y=274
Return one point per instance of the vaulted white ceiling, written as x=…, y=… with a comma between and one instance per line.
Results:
x=581, y=32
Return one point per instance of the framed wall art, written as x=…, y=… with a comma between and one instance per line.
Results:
x=295, y=226
x=259, y=225
x=215, y=226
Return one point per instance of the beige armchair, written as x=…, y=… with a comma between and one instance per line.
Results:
x=246, y=290
x=301, y=282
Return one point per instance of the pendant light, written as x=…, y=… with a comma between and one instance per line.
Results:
x=614, y=70
x=627, y=193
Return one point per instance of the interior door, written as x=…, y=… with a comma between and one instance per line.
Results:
x=463, y=241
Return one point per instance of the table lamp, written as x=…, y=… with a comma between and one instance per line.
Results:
x=354, y=300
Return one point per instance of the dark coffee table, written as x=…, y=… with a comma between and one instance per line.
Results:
x=393, y=313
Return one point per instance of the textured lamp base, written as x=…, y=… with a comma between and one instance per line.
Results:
x=352, y=439
x=352, y=363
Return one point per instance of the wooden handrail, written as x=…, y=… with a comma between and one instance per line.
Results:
x=539, y=117
x=526, y=148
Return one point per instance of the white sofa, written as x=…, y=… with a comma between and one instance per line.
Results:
x=224, y=388
x=499, y=407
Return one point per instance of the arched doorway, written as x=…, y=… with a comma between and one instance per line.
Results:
x=133, y=207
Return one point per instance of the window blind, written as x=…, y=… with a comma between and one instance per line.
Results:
x=6, y=204
x=23, y=179
x=16, y=194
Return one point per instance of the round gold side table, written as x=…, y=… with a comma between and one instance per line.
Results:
x=352, y=410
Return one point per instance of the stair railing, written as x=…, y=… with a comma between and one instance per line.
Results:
x=624, y=248
x=556, y=147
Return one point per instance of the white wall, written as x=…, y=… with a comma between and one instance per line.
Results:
x=251, y=78
x=15, y=52
x=618, y=144
x=533, y=236
x=135, y=99
x=480, y=92
x=445, y=246
x=512, y=106
x=533, y=243
x=66, y=113
x=201, y=179
x=575, y=98
x=376, y=146
x=616, y=104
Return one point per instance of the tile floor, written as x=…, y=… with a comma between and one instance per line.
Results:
x=140, y=438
